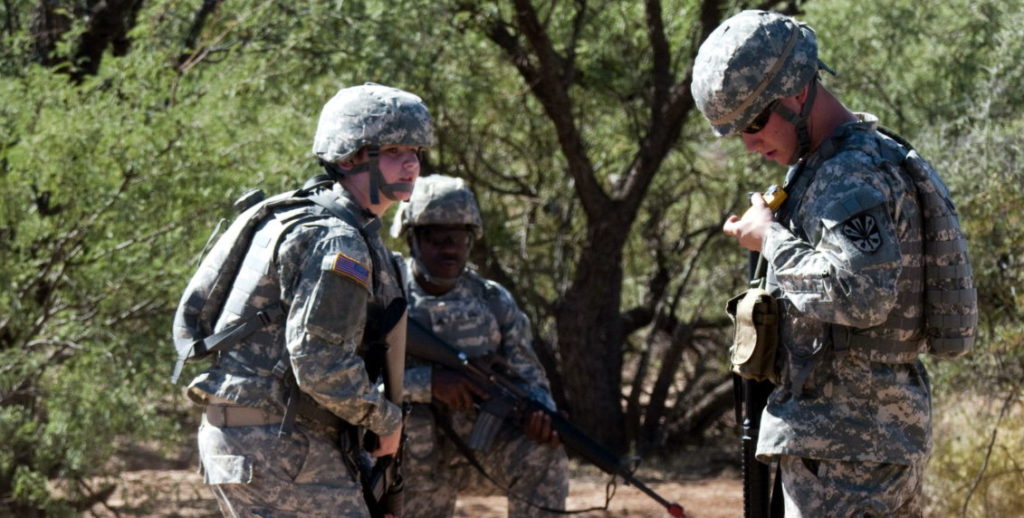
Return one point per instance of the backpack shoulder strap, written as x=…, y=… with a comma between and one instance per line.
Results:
x=326, y=200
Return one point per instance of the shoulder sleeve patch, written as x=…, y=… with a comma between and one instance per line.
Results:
x=862, y=230
x=855, y=218
x=353, y=269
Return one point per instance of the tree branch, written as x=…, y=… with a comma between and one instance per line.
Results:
x=547, y=79
x=108, y=25
x=198, y=22
x=670, y=109
x=1010, y=399
x=695, y=416
x=569, y=72
x=661, y=74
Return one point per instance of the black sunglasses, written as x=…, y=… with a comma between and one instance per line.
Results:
x=761, y=120
x=440, y=236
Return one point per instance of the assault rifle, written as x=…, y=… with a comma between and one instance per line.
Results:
x=382, y=482
x=505, y=399
x=750, y=398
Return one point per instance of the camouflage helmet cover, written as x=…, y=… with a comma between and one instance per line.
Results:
x=747, y=62
x=439, y=200
x=371, y=114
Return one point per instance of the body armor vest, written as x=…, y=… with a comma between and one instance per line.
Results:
x=943, y=285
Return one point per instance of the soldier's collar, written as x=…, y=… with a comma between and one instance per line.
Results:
x=828, y=147
x=369, y=221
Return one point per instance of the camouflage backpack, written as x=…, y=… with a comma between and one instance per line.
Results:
x=205, y=297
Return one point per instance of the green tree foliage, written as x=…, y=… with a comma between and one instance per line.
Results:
x=602, y=188
x=111, y=184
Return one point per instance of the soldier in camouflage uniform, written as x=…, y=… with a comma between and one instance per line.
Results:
x=850, y=420
x=478, y=316
x=326, y=270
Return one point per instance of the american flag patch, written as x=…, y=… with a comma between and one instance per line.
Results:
x=352, y=269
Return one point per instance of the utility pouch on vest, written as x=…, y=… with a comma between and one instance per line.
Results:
x=755, y=313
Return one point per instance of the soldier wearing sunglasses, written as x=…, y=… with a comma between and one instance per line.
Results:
x=849, y=423
x=441, y=222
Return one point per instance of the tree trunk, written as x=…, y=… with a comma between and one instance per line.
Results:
x=590, y=337
x=681, y=338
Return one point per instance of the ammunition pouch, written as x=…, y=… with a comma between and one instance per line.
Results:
x=755, y=314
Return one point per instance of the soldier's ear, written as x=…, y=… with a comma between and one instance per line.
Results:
x=802, y=96
x=349, y=163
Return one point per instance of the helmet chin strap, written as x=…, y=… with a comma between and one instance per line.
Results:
x=420, y=270
x=803, y=135
x=377, y=182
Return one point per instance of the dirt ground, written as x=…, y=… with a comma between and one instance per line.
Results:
x=703, y=485
x=181, y=494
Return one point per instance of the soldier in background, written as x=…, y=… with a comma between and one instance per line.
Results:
x=849, y=257
x=324, y=265
x=478, y=316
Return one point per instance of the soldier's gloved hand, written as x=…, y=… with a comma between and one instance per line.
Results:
x=388, y=444
x=453, y=390
x=538, y=428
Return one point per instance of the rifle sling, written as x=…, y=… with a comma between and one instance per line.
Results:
x=777, y=506
x=443, y=419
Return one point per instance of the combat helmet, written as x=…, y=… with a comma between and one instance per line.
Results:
x=371, y=116
x=749, y=61
x=437, y=200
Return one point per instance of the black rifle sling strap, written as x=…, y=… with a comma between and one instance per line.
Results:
x=777, y=507
x=443, y=419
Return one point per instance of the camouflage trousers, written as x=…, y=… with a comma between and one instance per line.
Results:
x=436, y=472
x=253, y=472
x=837, y=489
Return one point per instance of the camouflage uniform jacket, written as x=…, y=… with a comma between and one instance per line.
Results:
x=846, y=257
x=323, y=273
x=479, y=317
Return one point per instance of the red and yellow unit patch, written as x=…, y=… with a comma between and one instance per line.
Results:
x=353, y=269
